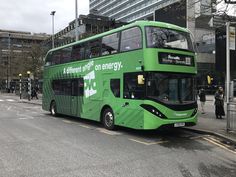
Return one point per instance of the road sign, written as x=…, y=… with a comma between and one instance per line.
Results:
x=232, y=38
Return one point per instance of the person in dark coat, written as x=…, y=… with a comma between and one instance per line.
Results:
x=34, y=93
x=202, y=96
x=219, y=103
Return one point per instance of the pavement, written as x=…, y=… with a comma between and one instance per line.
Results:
x=207, y=123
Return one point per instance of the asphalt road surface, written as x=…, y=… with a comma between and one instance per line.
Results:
x=34, y=144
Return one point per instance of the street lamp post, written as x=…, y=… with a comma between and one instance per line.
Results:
x=52, y=14
x=9, y=63
x=29, y=85
x=76, y=21
x=20, y=75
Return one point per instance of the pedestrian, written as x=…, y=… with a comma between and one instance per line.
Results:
x=202, y=96
x=34, y=93
x=219, y=103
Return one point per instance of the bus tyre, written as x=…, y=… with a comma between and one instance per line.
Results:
x=108, y=119
x=53, y=109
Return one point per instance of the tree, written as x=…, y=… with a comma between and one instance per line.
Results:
x=36, y=60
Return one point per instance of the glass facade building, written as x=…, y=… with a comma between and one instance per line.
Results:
x=197, y=17
x=128, y=10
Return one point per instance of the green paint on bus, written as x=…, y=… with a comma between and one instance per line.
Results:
x=140, y=76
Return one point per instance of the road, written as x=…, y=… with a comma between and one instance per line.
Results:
x=34, y=144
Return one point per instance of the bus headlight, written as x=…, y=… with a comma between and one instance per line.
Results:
x=153, y=110
x=194, y=112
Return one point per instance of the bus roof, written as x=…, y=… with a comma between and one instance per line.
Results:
x=137, y=23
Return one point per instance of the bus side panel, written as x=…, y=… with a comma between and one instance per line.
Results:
x=91, y=109
x=92, y=99
x=129, y=116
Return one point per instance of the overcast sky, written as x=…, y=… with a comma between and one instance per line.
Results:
x=34, y=15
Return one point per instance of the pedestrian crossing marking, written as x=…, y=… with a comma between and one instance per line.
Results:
x=9, y=100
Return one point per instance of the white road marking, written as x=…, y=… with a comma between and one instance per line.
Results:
x=10, y=100
x=147, y=143
x=102, y=130
x=84, y=126
x=67, y=121
x=35, y=107
x=1, y=100
x=23, y=116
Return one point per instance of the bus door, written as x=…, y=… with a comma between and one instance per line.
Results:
x=133, y=94
x=77, y=96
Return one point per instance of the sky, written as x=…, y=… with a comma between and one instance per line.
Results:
x=34, y=15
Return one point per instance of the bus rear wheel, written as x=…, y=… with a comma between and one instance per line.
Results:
x=108, y=119
x=53, y=108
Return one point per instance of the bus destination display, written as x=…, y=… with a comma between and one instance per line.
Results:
x=175, y=59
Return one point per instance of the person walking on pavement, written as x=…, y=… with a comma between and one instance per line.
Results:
x=202, y=96
x=34, y=93
x=219, y=103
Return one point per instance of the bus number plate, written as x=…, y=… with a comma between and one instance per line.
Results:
x=179, y=124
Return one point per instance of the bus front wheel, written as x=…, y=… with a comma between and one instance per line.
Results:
x=108, y=119
x=53, y=108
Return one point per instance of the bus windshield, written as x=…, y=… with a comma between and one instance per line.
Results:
x=168, y=38
x=171, y=88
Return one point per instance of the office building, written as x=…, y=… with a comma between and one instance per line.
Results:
x=197, y=16
x=88, y=25
x=17, y=49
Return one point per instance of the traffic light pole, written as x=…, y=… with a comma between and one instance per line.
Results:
x=227, y=62
x=228, y=74
x=29, y=86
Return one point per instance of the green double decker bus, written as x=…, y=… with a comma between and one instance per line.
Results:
x=140, y=76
